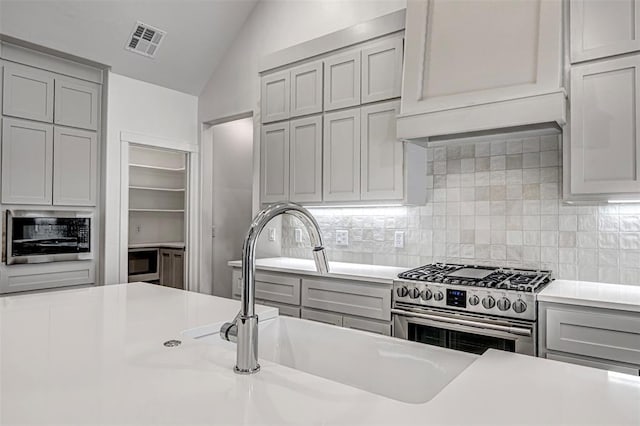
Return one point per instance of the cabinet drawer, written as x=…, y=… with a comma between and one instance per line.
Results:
x=46, y=275
x=596, y=334
x=272, y=287
x=364, y=300
x=325, y=317
x=634, y=371
x=283, y=310
x=367, y=325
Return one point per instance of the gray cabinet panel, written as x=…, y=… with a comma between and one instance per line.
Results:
x=280, y=288
x=594, y=333
x=306, y=89
x=342, y=81
x=341, y=156
x=27, y=93
x=75, y=167
x=47, y=275
x=383, y=328
x=274, y=162
x=324, y=317
x=27, y=151
x=172, y=268
x=369, y=301
x=275, y=92
x=283, y=310
x=573, y=359
x=382, y=71
x=77, y=103
x=305, y=176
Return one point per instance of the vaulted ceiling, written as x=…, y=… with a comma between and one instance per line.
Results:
x=199, y=33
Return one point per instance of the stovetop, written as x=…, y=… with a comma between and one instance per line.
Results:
x=522, y=280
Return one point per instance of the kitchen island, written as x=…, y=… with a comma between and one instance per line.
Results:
x=96, y=356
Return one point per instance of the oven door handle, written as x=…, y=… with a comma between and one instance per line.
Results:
x=477, y=324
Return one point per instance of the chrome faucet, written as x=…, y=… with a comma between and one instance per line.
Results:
x=243, y=329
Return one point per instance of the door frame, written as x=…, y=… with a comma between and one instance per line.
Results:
x=192, y=200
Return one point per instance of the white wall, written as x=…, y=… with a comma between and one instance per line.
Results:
x=139, y=107
x=274, y=25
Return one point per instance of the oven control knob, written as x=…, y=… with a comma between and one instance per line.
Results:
x=402, y=291
x=474, y=300
x=426, y=294
x=519, y=306
x=414, y=293
x=504, y=304
x=438, y=296
x=488, y=302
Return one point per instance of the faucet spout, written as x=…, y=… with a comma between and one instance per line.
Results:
x=244, y=328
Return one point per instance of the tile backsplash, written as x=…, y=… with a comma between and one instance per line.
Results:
x=494, y=203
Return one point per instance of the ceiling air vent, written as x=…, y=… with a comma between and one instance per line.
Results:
x=145, y=39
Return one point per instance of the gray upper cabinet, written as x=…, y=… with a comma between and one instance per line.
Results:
x=341, y=156
x=27, y=151
x=382, y=71
x=75, y=167
x=27, y=93
x=77, y=103
x=342, y=81
x=275, y=96
x=306, y=159
x=306, y=89
x=382, y=156
x=601, y=28
x=605, y=139
x=274, y=158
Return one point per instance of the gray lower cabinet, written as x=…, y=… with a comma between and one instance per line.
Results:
x=345, y=303
x=172, y=268
x=595, y=337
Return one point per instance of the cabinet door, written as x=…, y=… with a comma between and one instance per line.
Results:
x=382, y=156
x=166, y=268
x=27, y=158
x=76, y=103
x=306, y=159
x=274, y=158
x=605, y=138
x=306, y=89
x=342, y=81
x=341, y=156
x=275, y=97
x=601, y=28
x=27, y=93
x=319, y=316
x=178, y=269
x=75, y=167
x=382, y=71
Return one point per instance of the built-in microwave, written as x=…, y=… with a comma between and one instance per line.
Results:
x=144, y=264
x=37, y=236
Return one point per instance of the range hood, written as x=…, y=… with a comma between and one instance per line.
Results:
x=481, y=66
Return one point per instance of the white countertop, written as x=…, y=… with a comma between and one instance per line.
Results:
x=95, y=356
x=173, y=245
x=352, y=271
x=597, y=295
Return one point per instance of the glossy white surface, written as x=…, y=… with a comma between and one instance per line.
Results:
x=405, y=371
x=597, y=295
x=95, y=356
x=353, y=271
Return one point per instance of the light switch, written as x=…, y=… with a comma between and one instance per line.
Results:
x=398, y=239
x=342, y=237
x=272, y=234
x=298, y=235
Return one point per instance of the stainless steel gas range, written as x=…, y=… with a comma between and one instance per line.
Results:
x=469, y=308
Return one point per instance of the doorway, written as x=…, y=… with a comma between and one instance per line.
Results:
x=227, y=182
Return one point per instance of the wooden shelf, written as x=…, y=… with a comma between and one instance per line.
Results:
x=168, y=169
x=158, y=210
x=150, y=188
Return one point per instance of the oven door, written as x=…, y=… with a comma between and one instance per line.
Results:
x=464, y=332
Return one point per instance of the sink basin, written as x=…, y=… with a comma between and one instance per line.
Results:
x=398, y=369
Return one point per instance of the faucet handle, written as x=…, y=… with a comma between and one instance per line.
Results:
x=229, y=330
